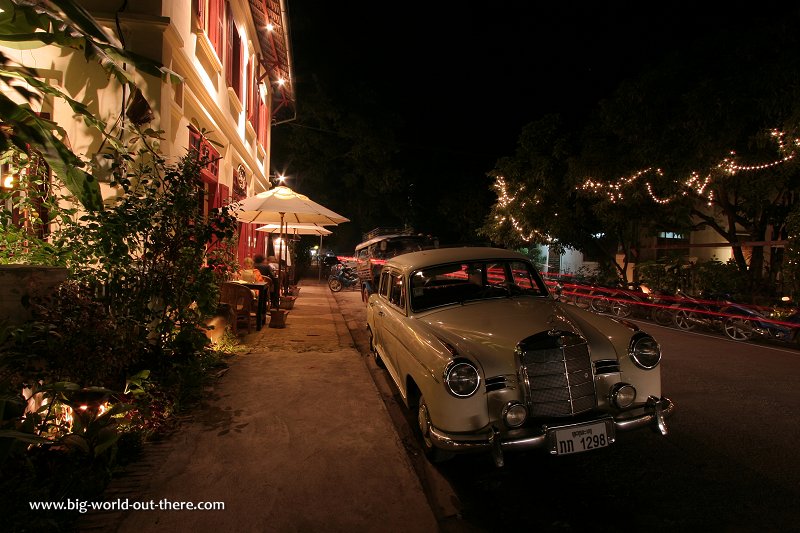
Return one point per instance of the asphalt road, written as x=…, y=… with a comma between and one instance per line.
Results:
x=728, y=464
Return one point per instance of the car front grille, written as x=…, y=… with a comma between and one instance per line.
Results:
x=556, y=370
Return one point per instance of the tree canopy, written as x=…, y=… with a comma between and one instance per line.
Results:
x=707, y=138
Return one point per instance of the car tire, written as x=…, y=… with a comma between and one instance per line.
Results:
x=334, y=284
x=433, y=454
x=738, y=329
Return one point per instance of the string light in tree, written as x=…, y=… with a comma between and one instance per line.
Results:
x=693, y=184
x=505, y=200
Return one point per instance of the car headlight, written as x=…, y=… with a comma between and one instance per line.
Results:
x=622, y=395
x=514, y=414
x=645, y=351
x=461, y=378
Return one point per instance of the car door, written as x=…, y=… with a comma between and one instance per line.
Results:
x=394, y=329
x=376, y=311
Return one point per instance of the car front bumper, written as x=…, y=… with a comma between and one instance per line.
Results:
x=654, y=413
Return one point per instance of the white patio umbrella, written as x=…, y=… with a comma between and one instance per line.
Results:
x=300, y=229
x=283, y=205
x=296, y=229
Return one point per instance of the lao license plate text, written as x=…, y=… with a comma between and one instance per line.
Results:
x=583, y=438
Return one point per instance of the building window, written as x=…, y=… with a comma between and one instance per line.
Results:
x=252, y=93
x=233, y=48
x=670, y=244
x=256, y=106
x=209, y=171
x=211, y=19
x=262, y=121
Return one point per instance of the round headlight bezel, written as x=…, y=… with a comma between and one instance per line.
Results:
x=645, y=351
x=514, y=407
x=457, y=373
x=618, y=392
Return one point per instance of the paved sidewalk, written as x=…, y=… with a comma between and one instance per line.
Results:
x=295, y=437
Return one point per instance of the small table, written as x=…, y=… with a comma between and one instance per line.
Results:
x=263, y=293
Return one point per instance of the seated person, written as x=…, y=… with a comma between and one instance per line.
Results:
x=273, y=265
x=267, y=272
x=248, y=273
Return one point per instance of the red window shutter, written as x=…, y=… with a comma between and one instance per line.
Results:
x=262, y=122
x=211, y=198
x=216, y=20
x=220, y=28
x=238, y=61
x=249, y=105
x=233, y=53
x=254, y=96
x=223, y=195
x=229, y=44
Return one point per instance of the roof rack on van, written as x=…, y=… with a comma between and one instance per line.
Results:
x=377, y=232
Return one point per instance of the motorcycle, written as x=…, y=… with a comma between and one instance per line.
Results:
x=341, y=277
x=737, y=321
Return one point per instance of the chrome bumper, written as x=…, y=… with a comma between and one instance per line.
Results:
x=654, y=413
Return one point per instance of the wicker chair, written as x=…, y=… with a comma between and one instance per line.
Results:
x=243, y=305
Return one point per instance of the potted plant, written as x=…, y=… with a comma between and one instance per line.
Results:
x=287, y=301
x=277, y=318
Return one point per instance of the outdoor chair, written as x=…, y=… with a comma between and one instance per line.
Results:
x=243, y=305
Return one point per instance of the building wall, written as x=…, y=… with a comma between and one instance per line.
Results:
x=165, y=30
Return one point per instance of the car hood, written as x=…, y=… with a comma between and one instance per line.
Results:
x=489, y=330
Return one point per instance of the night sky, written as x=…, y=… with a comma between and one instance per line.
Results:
x=467, y=76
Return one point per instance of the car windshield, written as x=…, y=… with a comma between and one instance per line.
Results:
x=397, y=246
x=474, y=280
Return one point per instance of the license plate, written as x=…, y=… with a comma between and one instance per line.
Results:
x=580, y=438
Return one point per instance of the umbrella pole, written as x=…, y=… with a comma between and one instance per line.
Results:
x=280, y=282
x=319, y=261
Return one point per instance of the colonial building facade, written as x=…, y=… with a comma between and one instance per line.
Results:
x=234, y=59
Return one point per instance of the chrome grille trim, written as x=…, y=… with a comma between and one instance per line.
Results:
x=496, y=383
x=556, y=372
x=606, y=366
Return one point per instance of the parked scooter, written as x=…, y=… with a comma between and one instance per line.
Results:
x=738, y=321
x=341, y=277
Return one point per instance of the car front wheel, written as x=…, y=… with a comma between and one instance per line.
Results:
x=434, y=454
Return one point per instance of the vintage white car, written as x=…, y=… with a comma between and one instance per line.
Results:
x=491, y=361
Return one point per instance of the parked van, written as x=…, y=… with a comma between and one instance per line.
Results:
x=371, y=254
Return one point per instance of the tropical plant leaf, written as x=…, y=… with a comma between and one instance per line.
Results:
x=84, y=21
x=27, y=438
x=32, y=131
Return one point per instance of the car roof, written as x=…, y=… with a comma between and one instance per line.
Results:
x=388, y=237
x=438, y=256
